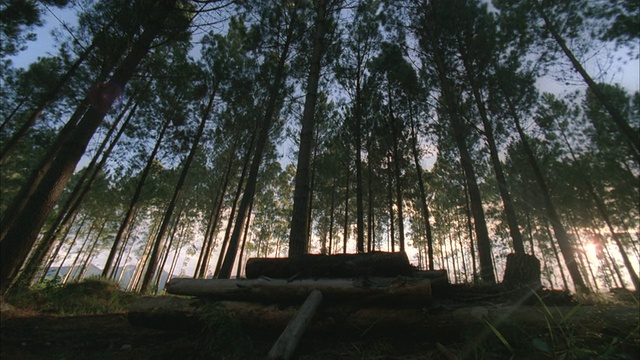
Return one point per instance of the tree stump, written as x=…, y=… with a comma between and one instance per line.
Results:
x=522, y=270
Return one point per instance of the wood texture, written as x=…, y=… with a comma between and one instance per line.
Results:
x=398, y=291
x=331, y=266
x=286, y=344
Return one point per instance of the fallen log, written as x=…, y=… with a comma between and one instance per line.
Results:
x=173, y=313
x=286, y=344
x=382, y=264
x=398, y=291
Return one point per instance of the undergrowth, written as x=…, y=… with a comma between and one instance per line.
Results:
x=91, y=296
x=568, y=333
x=222, y=337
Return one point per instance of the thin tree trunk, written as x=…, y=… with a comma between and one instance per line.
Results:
x=392, y=240
x=209, y=239
x=332, y=219
x=84, y=243
x=155, y=253
x=459, y=132
x=557, y=256
x=53, y=255
x=423, y=193
x=617, y=117
x=18, y=239
x=345, y=227
x=507, y=201
x=227, y=234
x=244, y=241
x=166, y=250
x=270, y=111
x=562, y=237
x=133, y=203
x=73, y=243
x=602, y=210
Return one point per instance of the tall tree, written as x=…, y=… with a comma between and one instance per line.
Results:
x=285, y=20
x=298, y=241
x=437, y=23
x=19, y=236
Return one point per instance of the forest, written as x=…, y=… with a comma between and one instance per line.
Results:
x=183, y=137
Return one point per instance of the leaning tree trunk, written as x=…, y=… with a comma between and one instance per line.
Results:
x=562, y=237
x=67, y=212
x=452, y=107
x=617, y=117
x=19, y=238
x=50, y=96
x=263, y=137
x=227, y=234
x=155, y=251
x=108, y=270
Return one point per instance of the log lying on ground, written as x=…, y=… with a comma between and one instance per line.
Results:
x=286, y=344
x=174, y=313
x=331, y=266
x=398, y=291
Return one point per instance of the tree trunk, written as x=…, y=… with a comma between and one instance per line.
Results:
x=423, y=193
x=459, y=132
x=345, y=225
x=155, y=253
x=133, y=204
x=302, y=192
x=227, y=234
x=244, y=241
x=386, y=291
x=566, y=247
x=19, y=238
x=617, y=117
x=263, y=137
x=49, y=97
x=600, y=205
x=333, y=266
x=507, y=201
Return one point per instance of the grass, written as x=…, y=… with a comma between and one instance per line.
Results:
x=90, y=297
x=568, y=334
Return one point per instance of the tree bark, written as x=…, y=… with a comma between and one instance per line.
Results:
x=108, y=269
x=286, y=344
x=155, y=252
x=263, y=137
x=564, y=242
x=387, y=291
x=302, y=192
x=333, y=266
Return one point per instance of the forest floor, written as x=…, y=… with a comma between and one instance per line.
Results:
x=613, y=334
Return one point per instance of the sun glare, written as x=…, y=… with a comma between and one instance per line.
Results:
x=592, y=250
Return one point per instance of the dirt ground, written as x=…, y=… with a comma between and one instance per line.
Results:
x=29, y=335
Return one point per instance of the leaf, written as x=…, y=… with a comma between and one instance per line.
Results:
x=502, y=338
x=541, y=345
